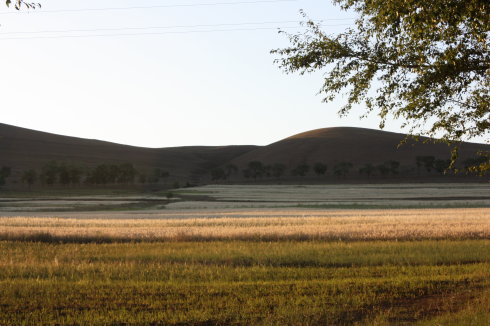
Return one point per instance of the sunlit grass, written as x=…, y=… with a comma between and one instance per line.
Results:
x=265, y=225
x=248, y=267
x=237, y=282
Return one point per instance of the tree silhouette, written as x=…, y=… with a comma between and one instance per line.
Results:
x=368, y=169
x=278, y=170
x=301, y=170
x=5, y=172
x=320, y=168
x=342, y=169
x=29, y=177
x=256, y=169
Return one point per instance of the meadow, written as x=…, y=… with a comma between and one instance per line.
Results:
x=246, y=266
x=253, y=225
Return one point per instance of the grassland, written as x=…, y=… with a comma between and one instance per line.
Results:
x=337, y=196
x=208, y=283
x=265, y=225
x=247, y=267
x=225, y=197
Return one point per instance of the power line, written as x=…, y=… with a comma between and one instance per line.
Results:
x=158, y=33
x=163, y=27
x=146, y=7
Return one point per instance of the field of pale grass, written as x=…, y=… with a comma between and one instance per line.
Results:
x=252, y=266
x=245, y=283
x=266, y=225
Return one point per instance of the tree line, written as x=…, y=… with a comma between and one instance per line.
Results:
x=59, y=173
x=423, y=165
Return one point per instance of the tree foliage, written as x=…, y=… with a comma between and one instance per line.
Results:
x=425, y=62
x=278, y=170
x=342, y=169
x=5, y=172
x=320, y=168
x=21, y=3
x=300, y=170
x=29, y=177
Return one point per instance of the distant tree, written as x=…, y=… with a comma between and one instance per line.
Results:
x=158, y=174
x=142, y=178
x=278, y=169
x=127, y=173
x=155, y=176
x=75, y=174
x=5, y=172
x=342, y=169
x=301, y=170
x=267, y=171
x=320, y=168
x=368, y=169
x=29, y=177
x=383, y=169
x=419, y=162
x=114, y=174
x=256, y=169
x=64, y=174
x=50, y=171
x=100, y=175
x=394, y=167
x=427, y=162
x=441, y=165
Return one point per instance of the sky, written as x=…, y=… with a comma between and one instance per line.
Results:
x=163, y=73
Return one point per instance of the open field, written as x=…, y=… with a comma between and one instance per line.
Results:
x=245, y=283
x=223, y=197
x=422, y=195
x=256, y=225
x=249, y=266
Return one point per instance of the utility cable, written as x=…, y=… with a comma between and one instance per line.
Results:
x=158, y=33
x=164, y=27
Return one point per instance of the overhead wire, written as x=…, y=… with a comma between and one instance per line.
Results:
x=165, y=27
x=158, y=33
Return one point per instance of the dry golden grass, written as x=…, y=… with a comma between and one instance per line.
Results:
x=353, y=225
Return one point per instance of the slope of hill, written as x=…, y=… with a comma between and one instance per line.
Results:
x=357, y=146
x=23, y=149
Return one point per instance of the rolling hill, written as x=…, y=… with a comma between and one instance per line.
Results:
x=356, y=145
x=23, y=149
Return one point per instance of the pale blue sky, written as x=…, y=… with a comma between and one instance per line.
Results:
x=170, y=89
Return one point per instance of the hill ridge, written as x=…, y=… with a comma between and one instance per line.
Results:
x=23, y=148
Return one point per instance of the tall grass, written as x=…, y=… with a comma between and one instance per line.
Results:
x=261, y=267
x=266, y=225
x=244, y=283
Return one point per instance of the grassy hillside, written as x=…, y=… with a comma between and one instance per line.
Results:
x=347, y=154
x=24, y=149
x=358, y=147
